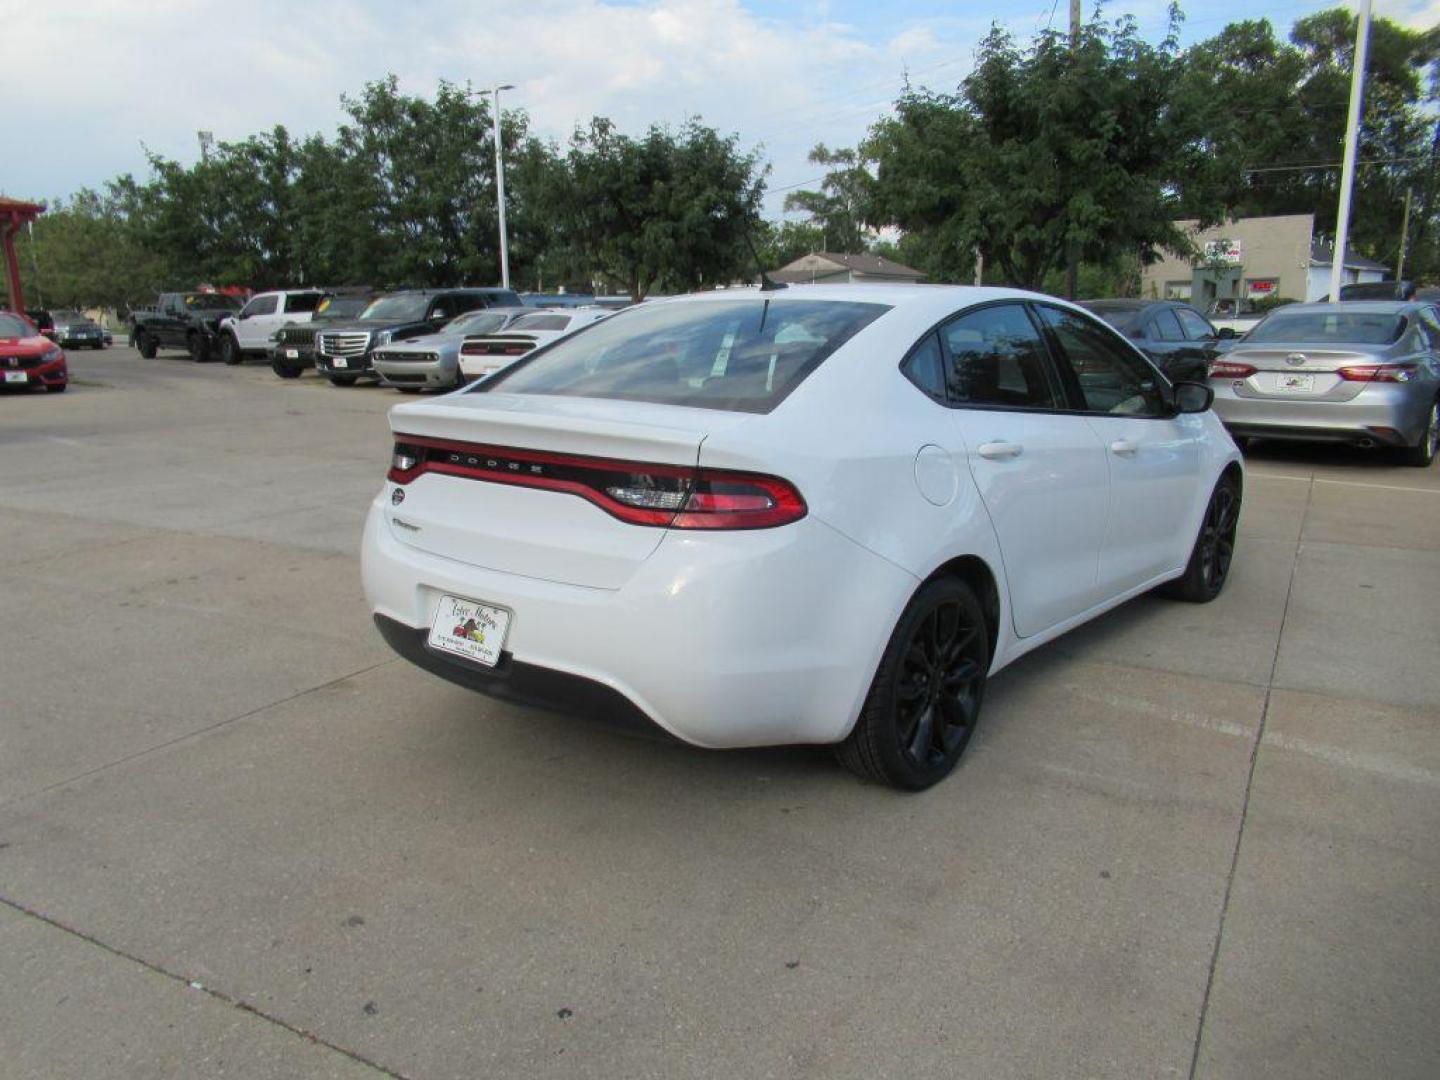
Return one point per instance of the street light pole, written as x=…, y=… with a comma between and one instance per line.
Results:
x=500, y=190
x=1352, y=139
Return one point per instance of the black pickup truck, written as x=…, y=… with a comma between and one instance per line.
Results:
x=342, y=349
x=183, y=320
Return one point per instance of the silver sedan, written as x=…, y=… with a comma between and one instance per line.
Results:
x=433, y=362
x=1365, y=373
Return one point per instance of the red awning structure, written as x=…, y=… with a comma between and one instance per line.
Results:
x=14, y=216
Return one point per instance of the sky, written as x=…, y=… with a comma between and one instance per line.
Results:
x=89, y=85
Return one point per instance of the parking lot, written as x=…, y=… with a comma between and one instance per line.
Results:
x=238, y=837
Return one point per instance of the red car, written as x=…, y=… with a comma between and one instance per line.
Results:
x=27, y=358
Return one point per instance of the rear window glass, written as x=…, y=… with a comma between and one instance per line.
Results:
x=743, y=355
x=303, y=301
x=1341, y=327
x=547, y=321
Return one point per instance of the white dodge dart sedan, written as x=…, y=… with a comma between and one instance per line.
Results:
x=816, y=514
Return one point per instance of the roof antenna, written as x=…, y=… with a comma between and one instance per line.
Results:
x=767, y=284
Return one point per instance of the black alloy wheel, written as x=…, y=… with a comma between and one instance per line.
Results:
x=1214, y=549
x=230, y=350
x=924, y=704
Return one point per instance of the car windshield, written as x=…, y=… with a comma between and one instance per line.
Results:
x=212, y=302
x=545, y=320
x=12, y=326
x=342, y=307
x=396, y=309
x=1340, y=327
x=742, y=355
x=476, y=322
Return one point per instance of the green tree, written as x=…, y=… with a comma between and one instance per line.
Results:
x=667, y=211
x=837, y=210
x=83, y=253
x=1043, y=149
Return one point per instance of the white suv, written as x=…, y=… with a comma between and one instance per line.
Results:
x=248, y=332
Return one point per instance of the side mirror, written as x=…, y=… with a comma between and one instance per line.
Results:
x=242, y=314
x=1193, y=397
x=1226, y=333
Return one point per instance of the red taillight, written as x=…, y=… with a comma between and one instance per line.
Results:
x=641, y=493
x=1230, y=369
x=1377, y=373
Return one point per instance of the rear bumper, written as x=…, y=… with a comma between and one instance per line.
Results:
x=721, y=640
x=1392, y=414
x=524, y=684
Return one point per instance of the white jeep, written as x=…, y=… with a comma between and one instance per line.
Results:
x=248, y=332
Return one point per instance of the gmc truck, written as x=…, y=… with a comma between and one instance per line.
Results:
x=183, y=320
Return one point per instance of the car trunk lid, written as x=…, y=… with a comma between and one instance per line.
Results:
x=1293, y=371
x=503, y=494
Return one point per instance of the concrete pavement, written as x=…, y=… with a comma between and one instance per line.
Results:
x=238, y=838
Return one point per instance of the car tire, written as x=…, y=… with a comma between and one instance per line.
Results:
x=230, y=350
x=408, y=389
x=199, y=349
x=1423, y=453
x=56, y=388
x=1210, y=558
x=146, y=345
x=285, y=371
x=342, y=380
x=933, y=669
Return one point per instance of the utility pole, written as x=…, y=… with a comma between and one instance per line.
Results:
x=1072, y=256
x=1352, y=138
x=1404, y=237
x=500, y=190
x=35, y=259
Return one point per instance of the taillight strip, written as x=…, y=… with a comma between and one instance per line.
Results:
x=761, y=501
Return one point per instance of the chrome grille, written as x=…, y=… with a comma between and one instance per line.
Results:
x=344, y=342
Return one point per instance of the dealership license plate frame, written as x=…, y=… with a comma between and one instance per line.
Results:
x=18, y=377
x=292, y=354
x=1287, y=383
x=451, y=610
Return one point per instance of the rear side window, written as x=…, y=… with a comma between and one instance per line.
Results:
x=925, y=367
x=1167, y=327
x=997, y=358
x=303, y=301
x=1112, y=378
x=741, y=355
x=1196, y=328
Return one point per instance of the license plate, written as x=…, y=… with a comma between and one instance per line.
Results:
x=339, y=362
x=1300, y=384
x=470, y=629
x=16, y=376
x=292, y=354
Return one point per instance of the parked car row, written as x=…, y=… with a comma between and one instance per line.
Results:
x=410, y=339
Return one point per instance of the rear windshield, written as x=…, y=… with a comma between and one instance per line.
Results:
x=14, y=326
x=544, y=321
x=1123, y=319
x=1340, y=327
x=476, y=322
x=67, y=316
x=743, y=355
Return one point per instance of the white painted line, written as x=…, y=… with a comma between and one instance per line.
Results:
x=1341, y=483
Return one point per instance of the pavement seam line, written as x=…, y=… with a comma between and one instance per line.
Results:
x=191, y=984
x=1245, y=801
x=18, y=799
